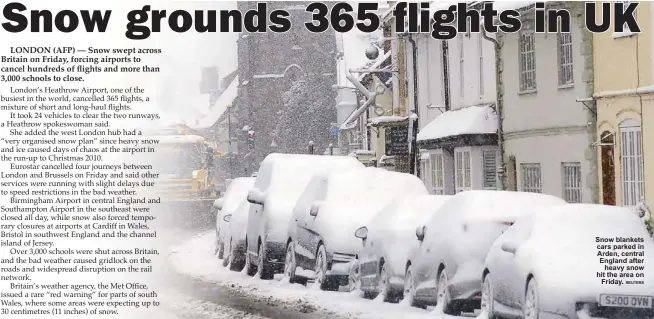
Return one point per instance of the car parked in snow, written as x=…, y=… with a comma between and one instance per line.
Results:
x=321, y=245
x=235, y=237
x=550, y=264
x=280, y=181
x=444, y=267
x=236, y=193
x=386, y=241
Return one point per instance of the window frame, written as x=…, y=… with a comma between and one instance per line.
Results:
x=465, y=170
x=631, y=162
x=435, y=170
x=531, y=186
x=526, y=53
x=486, y=170
x=572, y=185
x=565, y=50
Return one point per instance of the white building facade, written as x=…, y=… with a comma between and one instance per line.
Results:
x=546, y=123
x=457, y=120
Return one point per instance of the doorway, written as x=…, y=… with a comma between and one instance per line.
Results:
x=607, y=145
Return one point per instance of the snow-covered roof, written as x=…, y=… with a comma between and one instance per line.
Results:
x=468, y=120
x=387, y=119
x=225, y=100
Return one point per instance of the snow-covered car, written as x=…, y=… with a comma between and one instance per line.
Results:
x=235, y=237
x=387, y=239
x=321, y=245
x=280, y=181
x=444, y=267
x=553, y=263
x=236, y=193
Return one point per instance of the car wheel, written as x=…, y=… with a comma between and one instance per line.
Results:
x=227, y=260
x=221, y=250
x=353, y=281
x=410, y=289
x=262, y=267
x=487, y=298
x=382, y=282
x=443, y=298
x=530, y=307
x=321, y=268
x=250, y=268
x=289, y=262
x=235, y=257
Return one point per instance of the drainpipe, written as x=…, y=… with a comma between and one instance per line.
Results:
x=499, y=107
x=415, y=168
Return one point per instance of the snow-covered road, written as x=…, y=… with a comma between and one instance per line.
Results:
x=214, y=283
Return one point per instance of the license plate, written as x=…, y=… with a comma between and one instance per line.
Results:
x=626, y=301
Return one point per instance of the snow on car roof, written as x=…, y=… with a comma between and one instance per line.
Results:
x=292, y=172
x=409, y=211
x=370, y=187
x=237, y=192
x=505, y=206
x=596, y=221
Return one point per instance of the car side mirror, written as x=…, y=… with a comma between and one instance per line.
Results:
x=509, y=247
x=255, y=196
x=227, y=217
x=315, y=207
x=420, y=232
x=218, y=204
x=361, y=232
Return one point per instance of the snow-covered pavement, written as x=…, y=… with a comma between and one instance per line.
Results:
x=194, y=258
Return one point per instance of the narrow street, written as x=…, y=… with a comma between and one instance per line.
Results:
x=200, y=287
x=187, y=297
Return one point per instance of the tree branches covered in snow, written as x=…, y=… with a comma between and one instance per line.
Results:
x=306, y=116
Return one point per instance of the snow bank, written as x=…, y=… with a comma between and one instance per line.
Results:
x=468, y=120
x=195, y=258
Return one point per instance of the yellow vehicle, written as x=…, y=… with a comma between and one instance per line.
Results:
x=184, y=165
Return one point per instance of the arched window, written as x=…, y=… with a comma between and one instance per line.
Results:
x=631, y=162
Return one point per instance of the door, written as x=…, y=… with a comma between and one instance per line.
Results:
x=608, y=168
x=306, y=245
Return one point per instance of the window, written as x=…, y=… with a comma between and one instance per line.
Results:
x=572, y=182
x=462, y=166
x=437, y=178
x=625, y=28
x=527, y=60
x=531, y=180
x=461, y=66
x=631, y=162
x=564, y=41
x=480, y=47
x=489, y=158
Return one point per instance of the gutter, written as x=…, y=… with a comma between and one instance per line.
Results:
x=415, y=168
x=499, y=106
